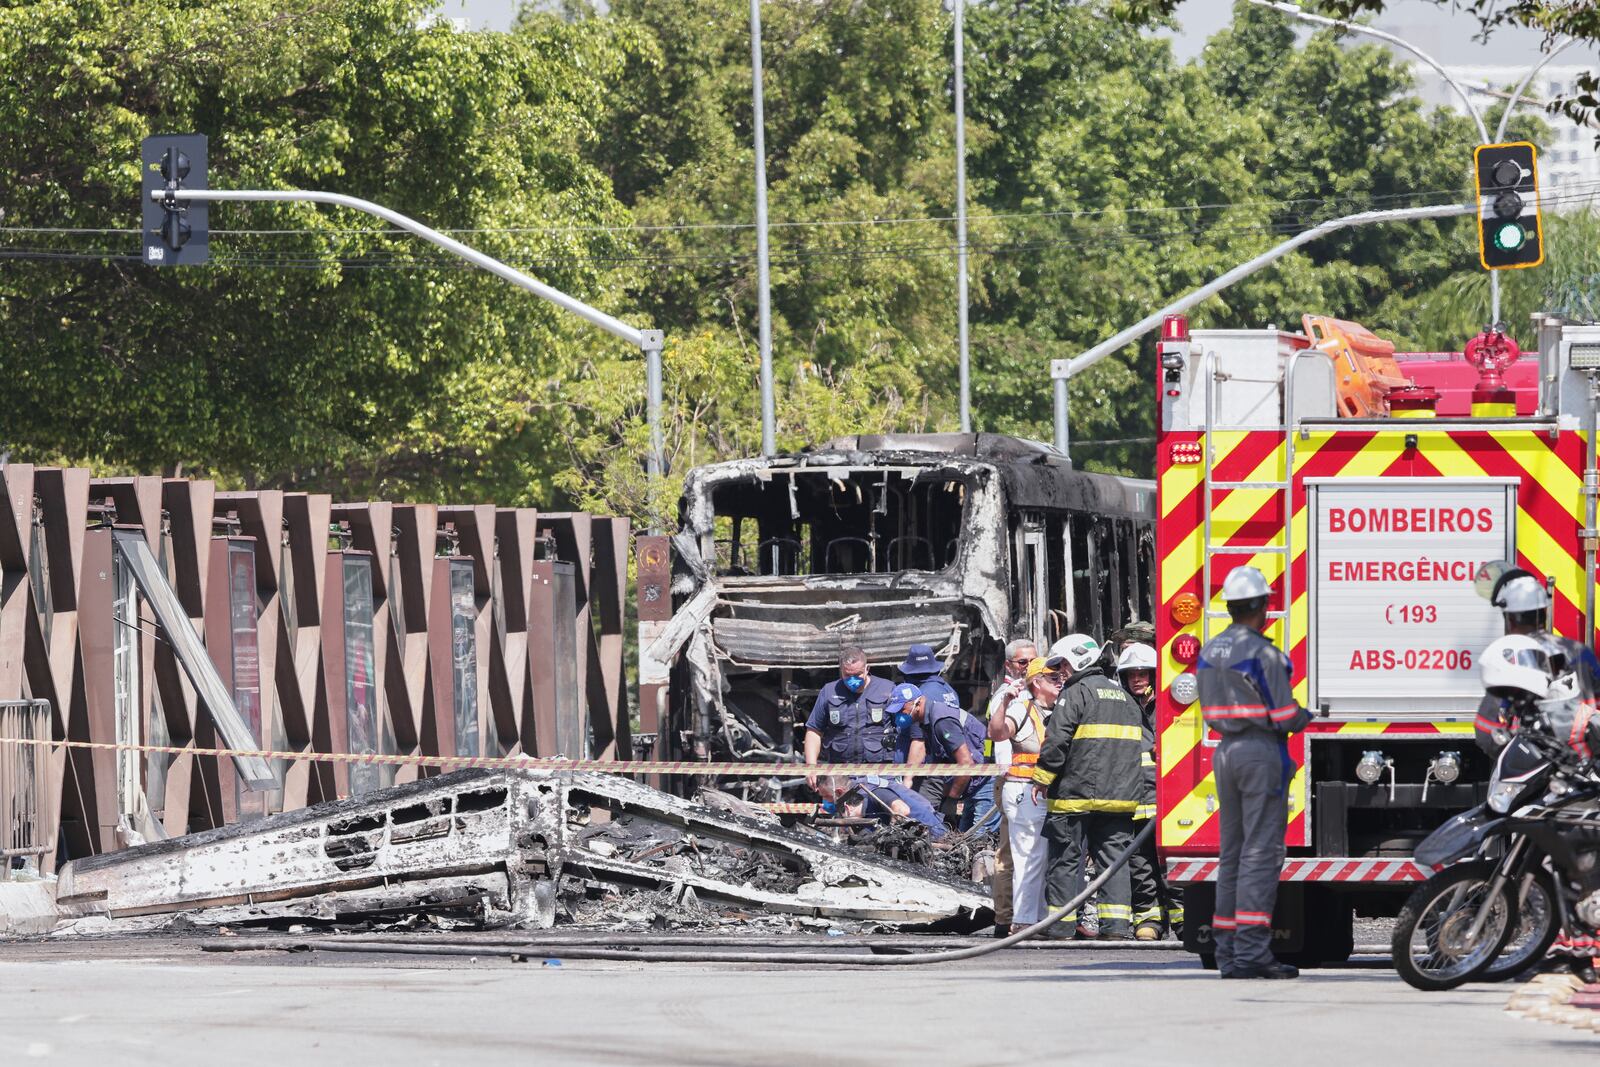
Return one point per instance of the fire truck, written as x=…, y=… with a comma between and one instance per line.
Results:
x=1368, y=486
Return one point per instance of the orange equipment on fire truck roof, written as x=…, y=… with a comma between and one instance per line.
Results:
x=1364, y=366
x=1369, y=531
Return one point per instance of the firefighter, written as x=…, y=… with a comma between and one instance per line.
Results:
x=1526, y=604
x=1088, y=774
x=850, y=722
x=1156, y=906
x=1247, y=696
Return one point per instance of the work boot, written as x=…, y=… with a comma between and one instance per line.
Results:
x=1266, y=970
x=1061, y=931
x=1003, y=930
x=1148, y=932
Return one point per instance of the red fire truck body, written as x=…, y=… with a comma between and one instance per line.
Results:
x=1326, y=461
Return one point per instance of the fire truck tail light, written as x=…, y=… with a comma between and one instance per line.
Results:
x=1187, y=452
x=1186, y=609
x=1185, y=689
x=1186, y=649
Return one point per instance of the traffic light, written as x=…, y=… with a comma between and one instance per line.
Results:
x=1509, y=233
x=175, y=231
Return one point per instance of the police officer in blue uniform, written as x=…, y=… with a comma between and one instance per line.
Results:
x=851, y=721
x=941, y=731
x=885, y=799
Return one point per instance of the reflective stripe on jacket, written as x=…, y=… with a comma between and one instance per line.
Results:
x=1022, y=761
x=1245, y=685
x=1090, y=758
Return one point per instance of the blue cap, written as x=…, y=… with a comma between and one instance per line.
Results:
x=921, y=660
x=904, y=693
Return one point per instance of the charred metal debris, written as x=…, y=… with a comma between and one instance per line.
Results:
x=524, y=849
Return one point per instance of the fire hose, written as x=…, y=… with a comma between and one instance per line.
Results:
x=531, y=947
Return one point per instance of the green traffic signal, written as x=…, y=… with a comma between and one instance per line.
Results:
x=1510, y=237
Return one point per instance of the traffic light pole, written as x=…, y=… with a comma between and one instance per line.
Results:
x=1295, y=11
x=1063, y=370
x=648, y=342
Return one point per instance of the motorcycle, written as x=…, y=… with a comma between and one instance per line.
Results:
x=1513, y=872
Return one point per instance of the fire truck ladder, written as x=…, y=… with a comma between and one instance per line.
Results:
x=1285, y=487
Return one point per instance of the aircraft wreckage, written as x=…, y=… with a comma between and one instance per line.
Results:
x=502, y=848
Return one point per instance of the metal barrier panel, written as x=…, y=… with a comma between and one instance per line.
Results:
x=23, y=781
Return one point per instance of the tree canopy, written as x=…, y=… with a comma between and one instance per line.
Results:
x=609, y=152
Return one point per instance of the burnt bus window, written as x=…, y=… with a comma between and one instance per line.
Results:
x=1147, y=609
x=1058, y=594
x=1086, y=607
x=1107, y=580
x=836, y=521
x=246, y=655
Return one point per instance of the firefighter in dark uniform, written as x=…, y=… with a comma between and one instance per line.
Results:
x=1156, y=905
x=1526, y=604
x=850, y=722
x=1247, y=697
x=1088, y=773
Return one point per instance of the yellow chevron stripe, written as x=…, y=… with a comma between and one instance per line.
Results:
x=1192, y=809
x=1180, y=737
x=1181, y=563
x=1543, y=549
x=1534, y=454
x=1180, y=479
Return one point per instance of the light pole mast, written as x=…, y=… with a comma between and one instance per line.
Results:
x=961, y=222
x=769, y=419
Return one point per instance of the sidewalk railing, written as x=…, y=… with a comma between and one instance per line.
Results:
x=23, y=781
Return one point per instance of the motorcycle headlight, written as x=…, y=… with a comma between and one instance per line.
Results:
x=1502, y=795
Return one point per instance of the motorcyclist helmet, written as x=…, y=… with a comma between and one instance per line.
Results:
x=1516, y=667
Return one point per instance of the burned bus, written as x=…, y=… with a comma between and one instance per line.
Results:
x=958, y=541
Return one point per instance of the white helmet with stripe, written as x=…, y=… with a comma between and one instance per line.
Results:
x=1078, y=651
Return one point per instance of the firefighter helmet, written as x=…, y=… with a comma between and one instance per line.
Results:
x=1078, y=651
x=1245, y=583
x=1137, y=657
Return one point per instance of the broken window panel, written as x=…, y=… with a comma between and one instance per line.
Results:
x=126, y=676
x=572, y=725
x=243, y=618
x=362, y=712
x=39, y=574
x=464, y=657
x=176, y=629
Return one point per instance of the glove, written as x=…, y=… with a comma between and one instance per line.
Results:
x=948, y=810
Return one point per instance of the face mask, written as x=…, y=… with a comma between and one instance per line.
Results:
x=902, y=721
x=855, y=683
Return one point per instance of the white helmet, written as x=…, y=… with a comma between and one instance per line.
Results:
x=1137, y=657
x=1522, y=594
x=1245, y=583
x=1515, y=665
x=1510, y=588
x=1078, y=651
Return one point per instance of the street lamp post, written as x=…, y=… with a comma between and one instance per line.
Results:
x=769, y=419
x=961, y=222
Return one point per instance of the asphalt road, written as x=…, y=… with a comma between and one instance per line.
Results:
x=161, y=1001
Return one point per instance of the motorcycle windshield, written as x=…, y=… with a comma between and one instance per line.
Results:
x=1519, y=761
x=1456, y=839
